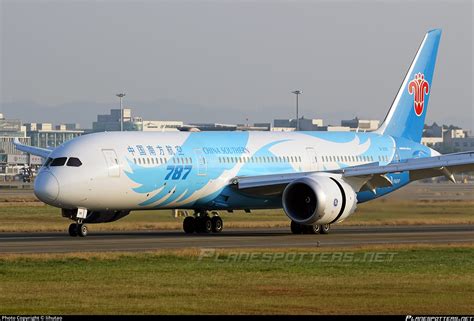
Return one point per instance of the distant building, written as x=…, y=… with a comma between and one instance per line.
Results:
x=331, y=128
x=161, y=125
x=305, y=124
x=243, y=127
x=9, y=130
x=111, y=122
x=209, y=127
x=283, y=129
x=433, y=130
x=432, y=142
x=457, y=140
x=12, y=160
x=362, y=125
x=447, y=139
x=268, y=126
x=45, y=136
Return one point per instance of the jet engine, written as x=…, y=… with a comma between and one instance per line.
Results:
x=96, y=216
x=318, y=199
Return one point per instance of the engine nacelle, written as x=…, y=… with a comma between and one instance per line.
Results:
x=319, y=199
x=96, y=216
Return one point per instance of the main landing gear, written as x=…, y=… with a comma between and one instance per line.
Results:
x=297, y=228
x=78, y=229
x=201, y=222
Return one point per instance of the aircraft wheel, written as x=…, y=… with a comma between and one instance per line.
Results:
x=217, y=224
x=82, y=230
x=189, y=225
x=296, y=228
x=325, y=228
x=73, y=229
x=312, y=229
x=206, y=224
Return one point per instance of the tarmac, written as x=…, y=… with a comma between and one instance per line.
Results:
x=137, y=241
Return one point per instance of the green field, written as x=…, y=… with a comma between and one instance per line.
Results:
x=35, y=216
x=418, y=280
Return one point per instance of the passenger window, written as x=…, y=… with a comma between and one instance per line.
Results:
x=60, y=161
x=74, y=162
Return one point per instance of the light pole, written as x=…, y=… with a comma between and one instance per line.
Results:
x=121, y=95
x=297, y=93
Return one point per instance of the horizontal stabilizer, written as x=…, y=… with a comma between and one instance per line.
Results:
x=38, y=151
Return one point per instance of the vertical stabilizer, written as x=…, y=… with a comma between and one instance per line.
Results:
x=406, y=117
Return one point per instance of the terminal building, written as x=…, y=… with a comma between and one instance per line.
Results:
x=304, y=124
x=447, y=139
x=46, y=135
x=362, y=125
x=9, y=130
x=12, y=161
x=162, y=125
x=111, y=122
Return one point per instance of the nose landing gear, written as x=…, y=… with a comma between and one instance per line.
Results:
x=78, y=229
x=78, y=215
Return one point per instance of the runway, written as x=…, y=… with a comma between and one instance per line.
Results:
x=340, y=236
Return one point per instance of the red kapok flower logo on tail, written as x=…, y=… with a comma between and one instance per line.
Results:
x=419, y=87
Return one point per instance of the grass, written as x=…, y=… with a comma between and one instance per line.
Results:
x=35, y=216
x=419, y=280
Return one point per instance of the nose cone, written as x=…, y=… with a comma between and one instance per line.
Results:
x=46, y=187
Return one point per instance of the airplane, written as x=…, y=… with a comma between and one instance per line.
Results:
x=318, y=178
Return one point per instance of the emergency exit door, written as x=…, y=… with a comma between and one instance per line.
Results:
x=312, y=158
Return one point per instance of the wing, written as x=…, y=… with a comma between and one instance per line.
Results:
x=43, y=152
x=368, y=176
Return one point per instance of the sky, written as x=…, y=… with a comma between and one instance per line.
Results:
x=228, y=61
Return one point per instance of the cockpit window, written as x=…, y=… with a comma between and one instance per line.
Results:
x=74, y=162
x=60, y=161
x=48, y=161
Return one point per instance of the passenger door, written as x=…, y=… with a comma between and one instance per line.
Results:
x=112, y=162
x=201, y=162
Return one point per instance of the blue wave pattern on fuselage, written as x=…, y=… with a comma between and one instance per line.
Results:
x=254, y=169
x=151, y=180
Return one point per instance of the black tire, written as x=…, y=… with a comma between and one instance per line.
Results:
x=296, y=228
x=325, y=228
x=72, y=229
x=189, y=225
x=206, y=224
x=312, y=229
x=82, y=230
x=217, y=224
x=198, y=224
